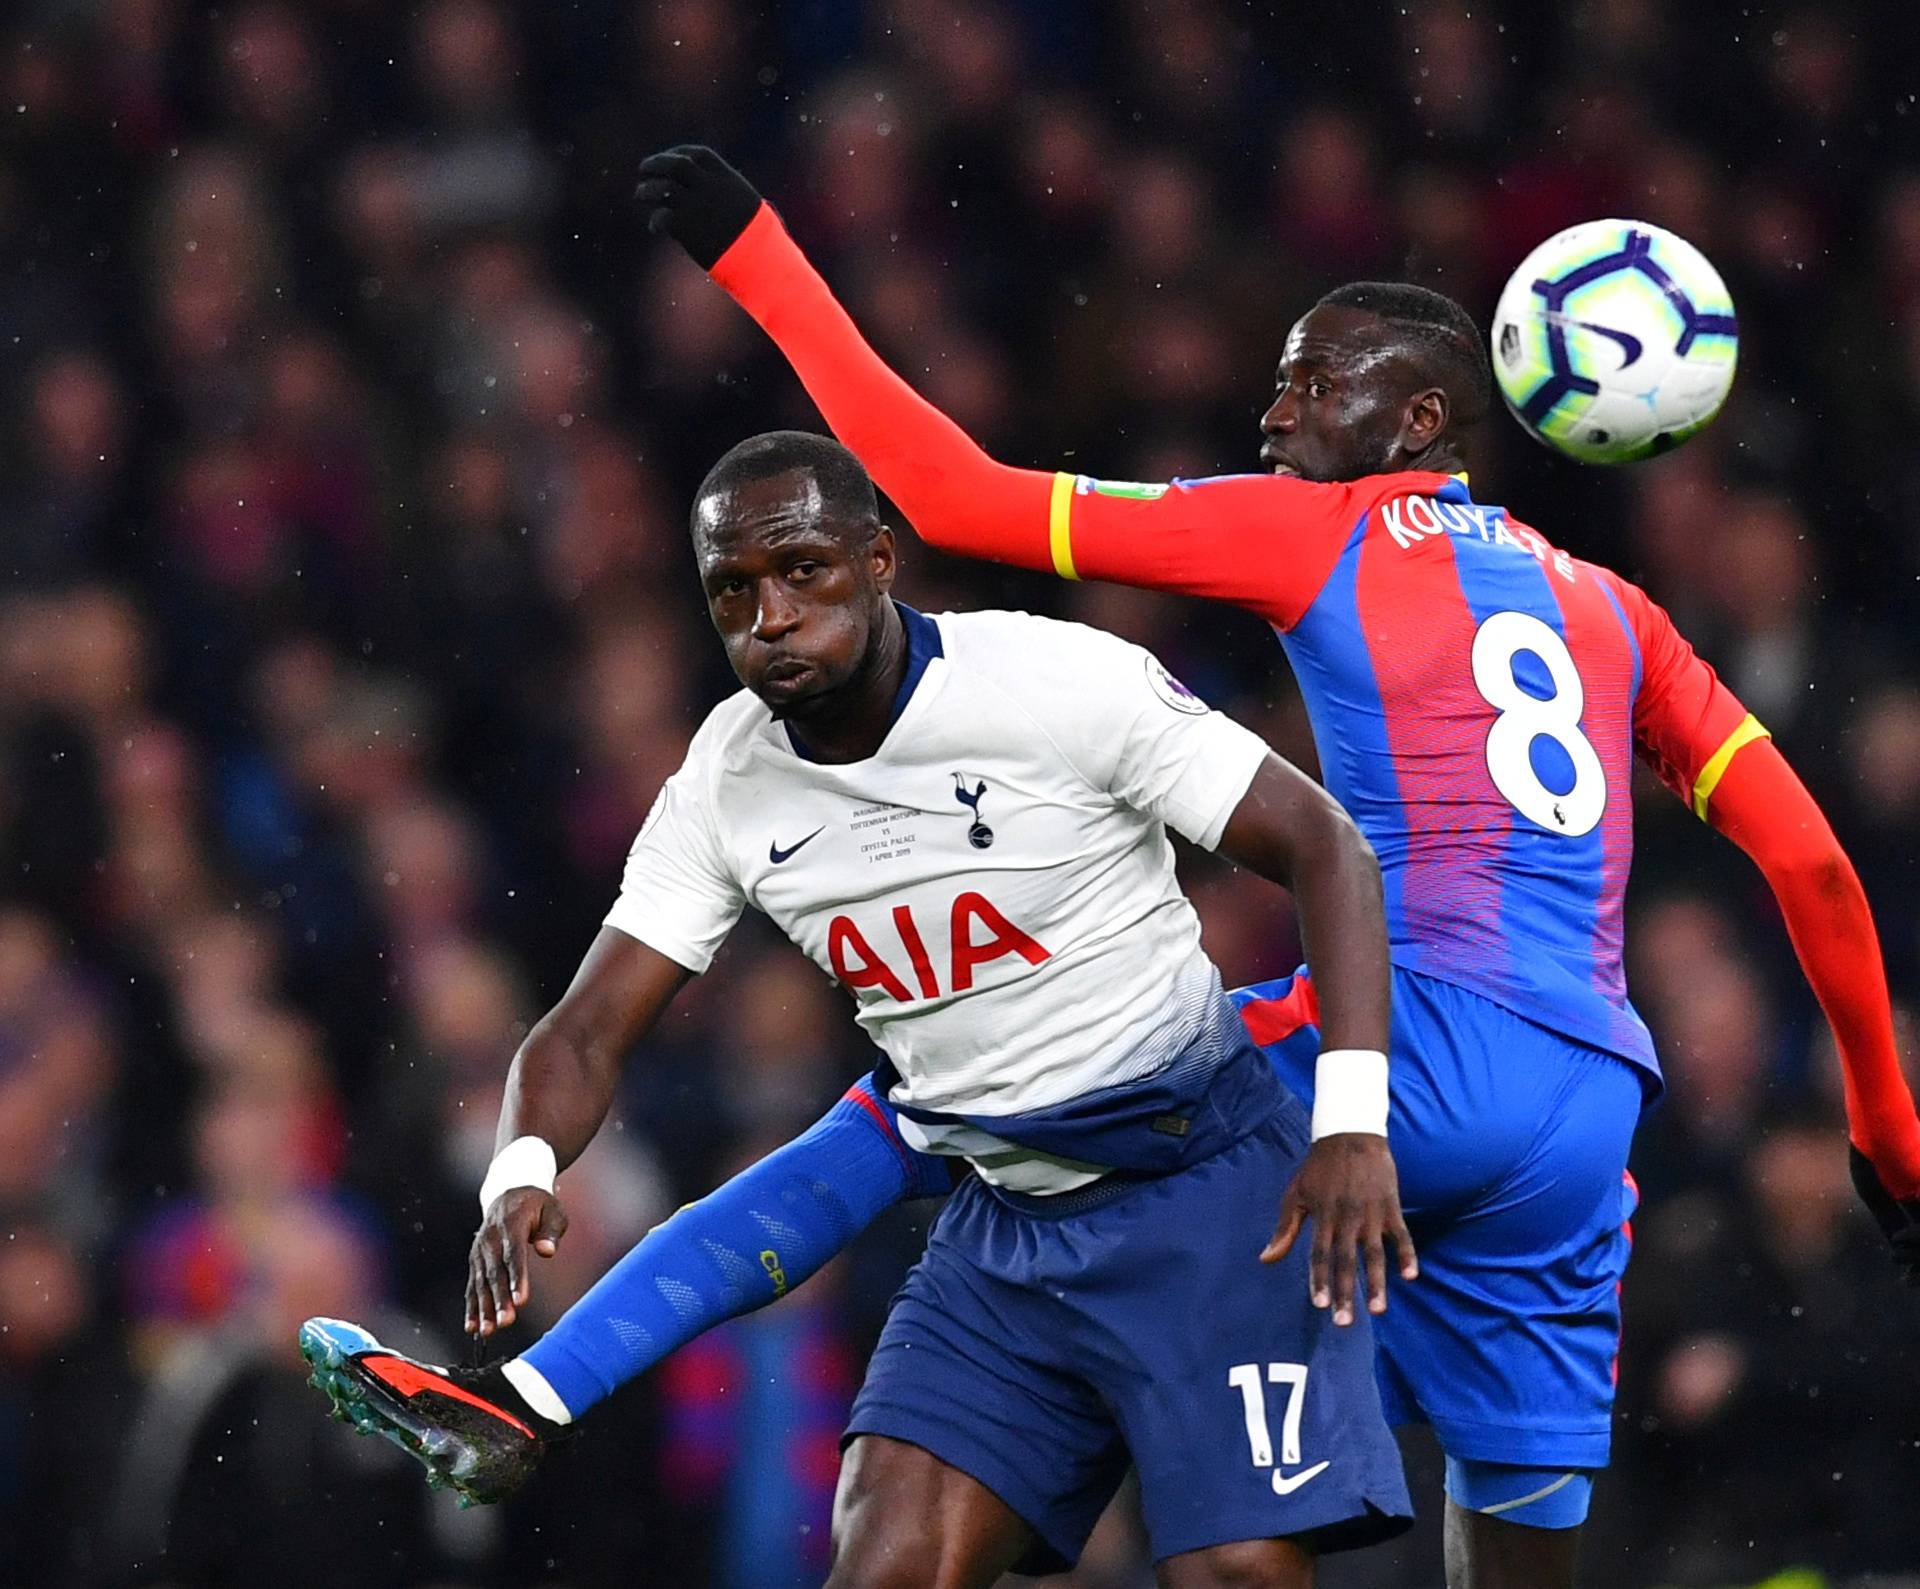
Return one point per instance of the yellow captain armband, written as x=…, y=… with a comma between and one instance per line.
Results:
x=1060, y=526
x=1749, y=730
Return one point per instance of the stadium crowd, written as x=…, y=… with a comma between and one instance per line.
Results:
x=347, y=629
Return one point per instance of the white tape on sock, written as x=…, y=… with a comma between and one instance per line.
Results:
x=535, y=1391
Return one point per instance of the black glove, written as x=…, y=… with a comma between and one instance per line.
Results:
x=1898, y=1217
x=693, y=196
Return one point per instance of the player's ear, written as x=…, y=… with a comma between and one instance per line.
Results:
x=883, y=557
x=1424, y=421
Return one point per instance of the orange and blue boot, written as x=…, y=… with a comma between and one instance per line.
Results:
x=468, y=1427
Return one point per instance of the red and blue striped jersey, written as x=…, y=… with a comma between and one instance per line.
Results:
x=1477, y=697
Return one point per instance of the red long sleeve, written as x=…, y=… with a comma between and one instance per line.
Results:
x=1260, y=542
x=1713, y=754
x=1764, y=808
x=955, y=495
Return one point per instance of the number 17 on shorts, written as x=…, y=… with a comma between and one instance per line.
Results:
x=1252, y=1383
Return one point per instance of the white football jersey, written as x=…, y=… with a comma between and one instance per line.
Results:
x=994, y=885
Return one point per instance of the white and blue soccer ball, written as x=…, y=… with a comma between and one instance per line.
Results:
x=1614, y=340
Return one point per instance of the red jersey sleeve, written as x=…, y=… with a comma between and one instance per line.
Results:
x=1263, y=542
x=1687, y=725
x=1715, y=755
x=1260, y=542
x=949, y=489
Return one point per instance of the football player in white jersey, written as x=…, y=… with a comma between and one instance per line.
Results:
x=963, y=820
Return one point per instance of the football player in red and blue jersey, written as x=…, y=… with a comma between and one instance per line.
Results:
x=1478, y=697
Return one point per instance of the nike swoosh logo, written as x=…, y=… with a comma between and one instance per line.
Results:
x=1629, y=345
x=776, y=855
x=410, y=1379
x=1282, y=1485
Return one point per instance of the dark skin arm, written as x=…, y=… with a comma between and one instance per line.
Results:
x=1292, y=832
x=560, y=1087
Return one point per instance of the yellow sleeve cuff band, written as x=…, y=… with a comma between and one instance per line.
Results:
x=1060, y=526
x=1749, y=730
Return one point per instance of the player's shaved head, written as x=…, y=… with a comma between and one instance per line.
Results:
x=843, y=491
x=1434, y=331
x=1377, y=377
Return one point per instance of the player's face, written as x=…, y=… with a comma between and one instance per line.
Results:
x=1341, y=398
x=797, y=598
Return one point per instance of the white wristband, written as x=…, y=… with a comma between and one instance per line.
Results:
x=1350, y=1092
x=525, y=1161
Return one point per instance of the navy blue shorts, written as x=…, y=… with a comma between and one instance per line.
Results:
x=1511, y=1141
x=1043, y=1344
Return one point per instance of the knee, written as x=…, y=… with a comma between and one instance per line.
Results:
x=1248, y=1564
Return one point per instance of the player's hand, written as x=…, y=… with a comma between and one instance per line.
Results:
x=1898, y=1217
x=690, y=194
x=1349, y=1188
x=522, y=1221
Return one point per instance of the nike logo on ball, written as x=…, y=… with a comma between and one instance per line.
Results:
x=1629, y=344
x=1282, y=1485
x=776, y=855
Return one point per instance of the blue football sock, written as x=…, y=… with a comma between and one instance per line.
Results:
x=772, y=1226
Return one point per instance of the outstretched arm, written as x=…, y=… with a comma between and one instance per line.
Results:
x=1257, y=541
x=1714, y=754
x=773, y=1225
x=1763, y=807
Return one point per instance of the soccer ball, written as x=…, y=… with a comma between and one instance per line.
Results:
x=1614, y=340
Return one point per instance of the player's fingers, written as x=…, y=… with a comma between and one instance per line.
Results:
x=1346, y=1242
x=513, y=1269
x=479, y=1304
x=519, y=1281
x=499, y=1287
x=670, y=164
x=1403, y=1244
x=1319, y=1262
x=482, y=1294
x=549, y=1227
x=1376, y=1249
x=657, y=190
x=1293, y=1215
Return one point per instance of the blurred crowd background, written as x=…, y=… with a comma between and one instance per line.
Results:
x=347, y=629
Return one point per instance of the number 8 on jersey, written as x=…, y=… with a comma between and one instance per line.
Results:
x=1525, y=717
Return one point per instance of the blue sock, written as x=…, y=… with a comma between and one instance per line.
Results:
x=772, y=1226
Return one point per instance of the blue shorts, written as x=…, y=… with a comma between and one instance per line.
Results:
x=1511, y=1142
x=1042, y=1344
